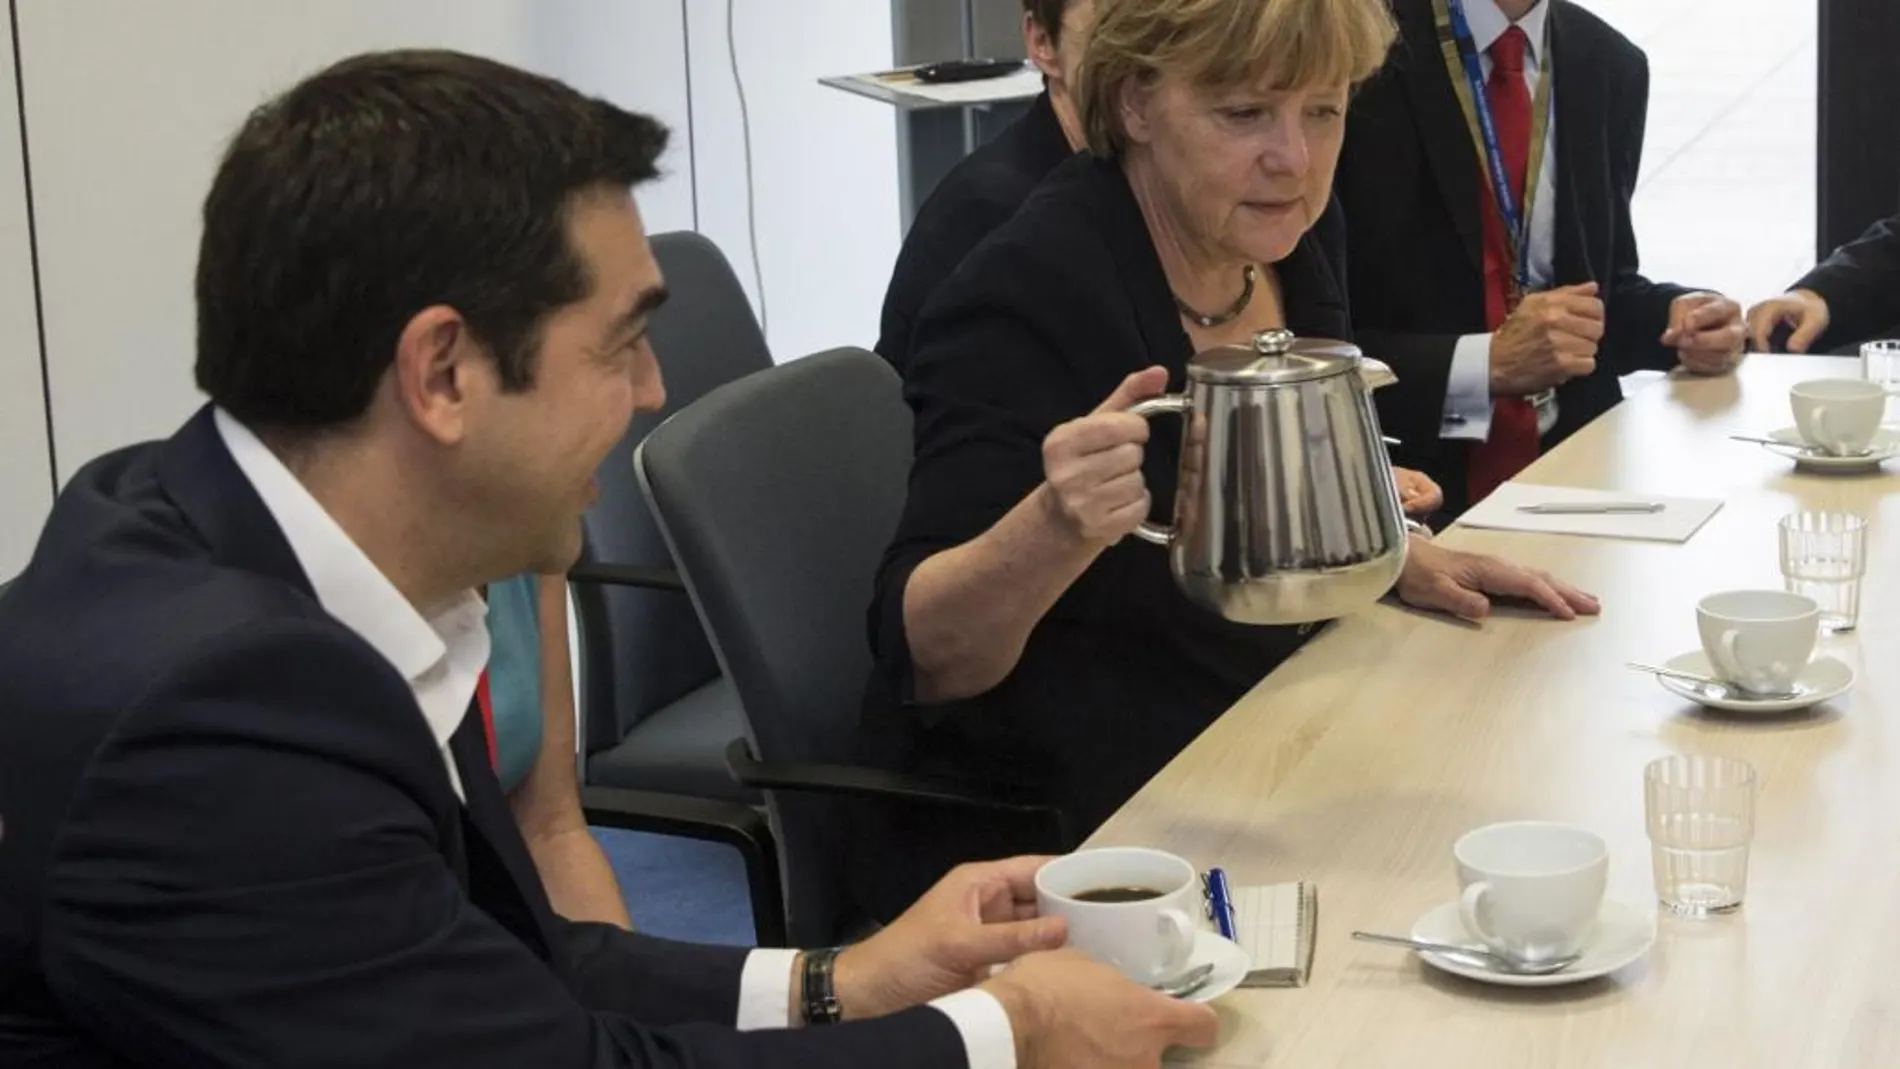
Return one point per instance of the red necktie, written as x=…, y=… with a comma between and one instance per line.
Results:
x=487, y=707
x=1513, y=442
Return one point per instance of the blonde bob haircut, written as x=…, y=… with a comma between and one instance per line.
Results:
x=1219, y=45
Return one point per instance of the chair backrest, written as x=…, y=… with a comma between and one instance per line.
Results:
x=642, y=649
x=778, y=495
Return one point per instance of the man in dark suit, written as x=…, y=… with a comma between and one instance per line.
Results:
x=1851, y=297
x=986, y=187
x=1508, y=331
x=250, y=812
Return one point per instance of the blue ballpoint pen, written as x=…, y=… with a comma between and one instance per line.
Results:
x=1220, y=902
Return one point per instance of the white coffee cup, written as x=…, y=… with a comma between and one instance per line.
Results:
x=1839, y=416
x=1758, y=640
x=1149, y=939
x=1531, y=889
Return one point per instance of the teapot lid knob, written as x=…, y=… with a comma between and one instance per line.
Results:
x=1277, y=342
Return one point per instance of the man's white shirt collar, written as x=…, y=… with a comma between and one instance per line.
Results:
x=1488, y=23
x=441, y=654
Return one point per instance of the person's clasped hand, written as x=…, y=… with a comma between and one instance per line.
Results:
x=1549, y=339
x=1706, y=331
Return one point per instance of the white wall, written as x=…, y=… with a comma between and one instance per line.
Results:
x=25, y=470
x=128, y=107
x=824, y=162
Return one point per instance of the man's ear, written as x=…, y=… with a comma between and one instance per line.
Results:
x=434, y=367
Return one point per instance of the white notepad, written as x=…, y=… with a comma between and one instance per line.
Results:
x=1276, y=925
x=1679, y=518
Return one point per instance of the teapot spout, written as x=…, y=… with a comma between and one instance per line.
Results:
x=1375, y=373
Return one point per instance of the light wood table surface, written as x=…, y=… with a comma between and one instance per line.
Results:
x=1359, y=762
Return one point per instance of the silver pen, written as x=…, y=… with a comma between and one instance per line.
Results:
x=1591, y=508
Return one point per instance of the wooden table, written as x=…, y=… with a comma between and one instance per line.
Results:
x=1360, y=761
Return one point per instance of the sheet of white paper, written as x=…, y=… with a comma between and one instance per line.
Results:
x=1018, y=86
x=1680, y=517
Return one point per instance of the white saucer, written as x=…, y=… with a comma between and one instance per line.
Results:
x=1624, y=934
x=1790, y=444
x=1824, y=679
x=1231, y=965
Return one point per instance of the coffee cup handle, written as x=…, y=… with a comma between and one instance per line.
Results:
x=1177, y=404
x=1178, y=931
x=1728, y=661
x=1470, y=906
x=1829, y=440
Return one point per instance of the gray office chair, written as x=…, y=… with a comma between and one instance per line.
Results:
x=656, y=712
x=778, y=495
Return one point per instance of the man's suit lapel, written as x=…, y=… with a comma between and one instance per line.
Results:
x=1448, y=147
x=482, y=844
x=1572, y=93
x=502, y=879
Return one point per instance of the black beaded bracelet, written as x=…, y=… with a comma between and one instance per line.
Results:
x=821, y=995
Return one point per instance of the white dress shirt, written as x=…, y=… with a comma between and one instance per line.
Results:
x=442, y=655
x=1468, y=393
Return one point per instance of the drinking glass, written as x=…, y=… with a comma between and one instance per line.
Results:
x=1824, y=556
x=1880, y=362
x=1701, y=814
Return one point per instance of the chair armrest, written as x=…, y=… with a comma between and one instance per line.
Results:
x=859, y=781
x=626, y=575
x=739, y=826
x=672, y=814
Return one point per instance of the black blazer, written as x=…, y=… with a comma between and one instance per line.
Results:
x=1037, y=327
x=1410, y=182
x=978, y=195
x=231, y=839
x=1861, y=284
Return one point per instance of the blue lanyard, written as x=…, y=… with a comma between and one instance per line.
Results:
x=1515, y=228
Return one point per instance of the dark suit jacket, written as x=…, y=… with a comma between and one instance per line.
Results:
x=1861, y=284
x=231, y=839
x=978, y=195
x=1037, y=327
x=1411, y=185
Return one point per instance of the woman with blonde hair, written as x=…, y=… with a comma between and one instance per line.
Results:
x=1019, y=634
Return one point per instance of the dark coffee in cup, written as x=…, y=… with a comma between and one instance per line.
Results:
x=1118, y=894
x=1128, y=907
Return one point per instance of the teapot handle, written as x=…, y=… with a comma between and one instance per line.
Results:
x=1178, y=404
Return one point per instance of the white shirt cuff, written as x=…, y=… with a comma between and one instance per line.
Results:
x=989, y=1042
x=1468, y=390
x=765, y=990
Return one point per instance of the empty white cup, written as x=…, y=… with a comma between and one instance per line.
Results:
x=1149, y=939
x=1758, y=640
x=1838, y=416
x=1532, y=889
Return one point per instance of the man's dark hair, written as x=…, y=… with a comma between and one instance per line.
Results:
x=1048, y=14
x=383, y=185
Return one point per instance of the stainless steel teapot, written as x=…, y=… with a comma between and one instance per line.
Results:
x=1285, y=511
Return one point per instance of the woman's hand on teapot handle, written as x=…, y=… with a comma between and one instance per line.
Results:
x=1092, y=465
x=1462, y=584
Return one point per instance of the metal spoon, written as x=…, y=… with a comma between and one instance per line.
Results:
x=1475, y=957
x=1803, y=448
x=1719, y=689
x=1187, y=983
